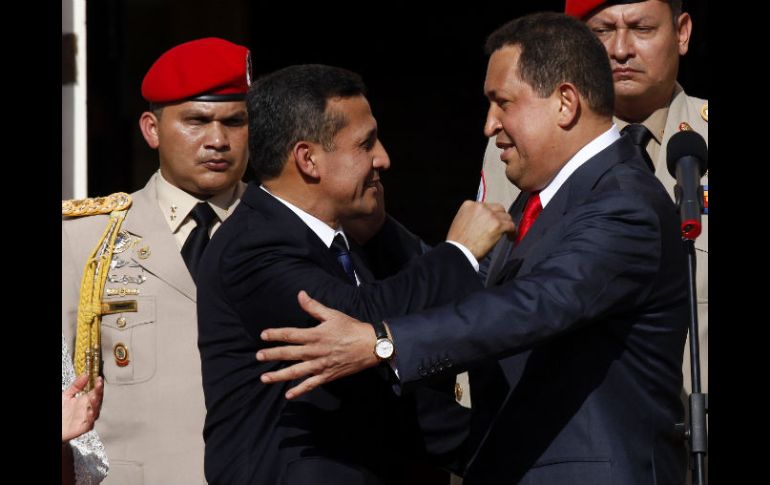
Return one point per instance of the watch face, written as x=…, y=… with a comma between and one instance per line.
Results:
x=384, y=348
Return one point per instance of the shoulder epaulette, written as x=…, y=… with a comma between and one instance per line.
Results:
x=95, y=205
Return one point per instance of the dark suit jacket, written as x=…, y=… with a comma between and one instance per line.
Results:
x=588, y=315
x=353, y=431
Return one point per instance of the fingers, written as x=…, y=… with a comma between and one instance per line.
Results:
x=313, y=308
x=96, y=395
x=288, y=352
x=495, y=207
x=77, y=385
x=296, y=371
x=305, y=386
x=290, y=335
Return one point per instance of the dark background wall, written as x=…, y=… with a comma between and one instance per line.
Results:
x=424, y=67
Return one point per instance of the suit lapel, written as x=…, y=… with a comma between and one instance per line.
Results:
x=284, y=219
x=507, y=259
x=500, y=263
x=157, y=251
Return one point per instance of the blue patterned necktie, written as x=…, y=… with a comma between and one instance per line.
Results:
x=340, y=250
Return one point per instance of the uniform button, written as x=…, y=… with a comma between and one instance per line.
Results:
x=458, y=392
x=440, y=367
x=144, y=252
x=421, y=370
x=121, y=322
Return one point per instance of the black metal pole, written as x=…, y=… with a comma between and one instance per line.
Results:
x=697, y=433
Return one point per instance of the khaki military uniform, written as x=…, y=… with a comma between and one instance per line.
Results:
x=153, y=411
x=494, y=185
x=684, y=112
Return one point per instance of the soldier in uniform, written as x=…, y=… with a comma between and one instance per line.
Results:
x=644, y=40
x=128, y=265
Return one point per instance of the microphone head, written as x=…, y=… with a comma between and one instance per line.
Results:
x=686, y=144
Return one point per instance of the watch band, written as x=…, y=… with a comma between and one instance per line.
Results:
x=379, y=329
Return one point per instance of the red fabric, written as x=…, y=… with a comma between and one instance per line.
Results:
x=531, y=211
x=203, y=66
x=579, y=8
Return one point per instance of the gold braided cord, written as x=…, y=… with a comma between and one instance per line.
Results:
x=95, y=205
x=88, y=337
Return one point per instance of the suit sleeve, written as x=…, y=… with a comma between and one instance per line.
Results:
x=263, y=280
x=604, y=262
x=392, y=248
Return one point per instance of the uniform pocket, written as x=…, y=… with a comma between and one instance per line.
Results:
x=129, y=344
x=126, y=472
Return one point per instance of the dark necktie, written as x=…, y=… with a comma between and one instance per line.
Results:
x=196, y=242
x=531, y=210
x=640, y=135
x=340, y=250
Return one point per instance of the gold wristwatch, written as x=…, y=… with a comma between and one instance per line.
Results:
x=383, y=347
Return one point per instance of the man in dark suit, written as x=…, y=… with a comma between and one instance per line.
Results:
x=314, y=146
x=587, y=311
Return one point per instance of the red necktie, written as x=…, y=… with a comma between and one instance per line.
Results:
x=531, y=211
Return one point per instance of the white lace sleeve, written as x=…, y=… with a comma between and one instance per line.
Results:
x=90, y=461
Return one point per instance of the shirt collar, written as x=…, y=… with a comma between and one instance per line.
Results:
x=583, y=155
x=176, y=204
x=324, y=232
x=656, y=123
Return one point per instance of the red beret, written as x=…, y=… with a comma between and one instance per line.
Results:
x=209, y=69
x=581, y=8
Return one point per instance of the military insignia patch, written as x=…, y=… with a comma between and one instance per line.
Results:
x=120, y=351
x=704, y=112
x=684, y=126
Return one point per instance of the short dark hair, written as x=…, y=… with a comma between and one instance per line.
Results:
x=289, y=105
x=676, y=9
x=556, y=48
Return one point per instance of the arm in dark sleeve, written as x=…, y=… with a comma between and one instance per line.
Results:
x=392, y=248
x=263, y=282
x=604, y=263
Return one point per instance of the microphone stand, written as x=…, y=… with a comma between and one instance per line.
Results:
x=695, y=432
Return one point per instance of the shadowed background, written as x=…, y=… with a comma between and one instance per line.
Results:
x=423, y=66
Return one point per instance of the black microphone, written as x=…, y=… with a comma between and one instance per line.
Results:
x=687, y=161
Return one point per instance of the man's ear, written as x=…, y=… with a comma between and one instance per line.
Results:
x=683, y=31
x=569, y=104
x=304, y=155
x=148, y=123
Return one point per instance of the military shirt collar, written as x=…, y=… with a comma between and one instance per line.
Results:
x=176, y=204
x=656, y=122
